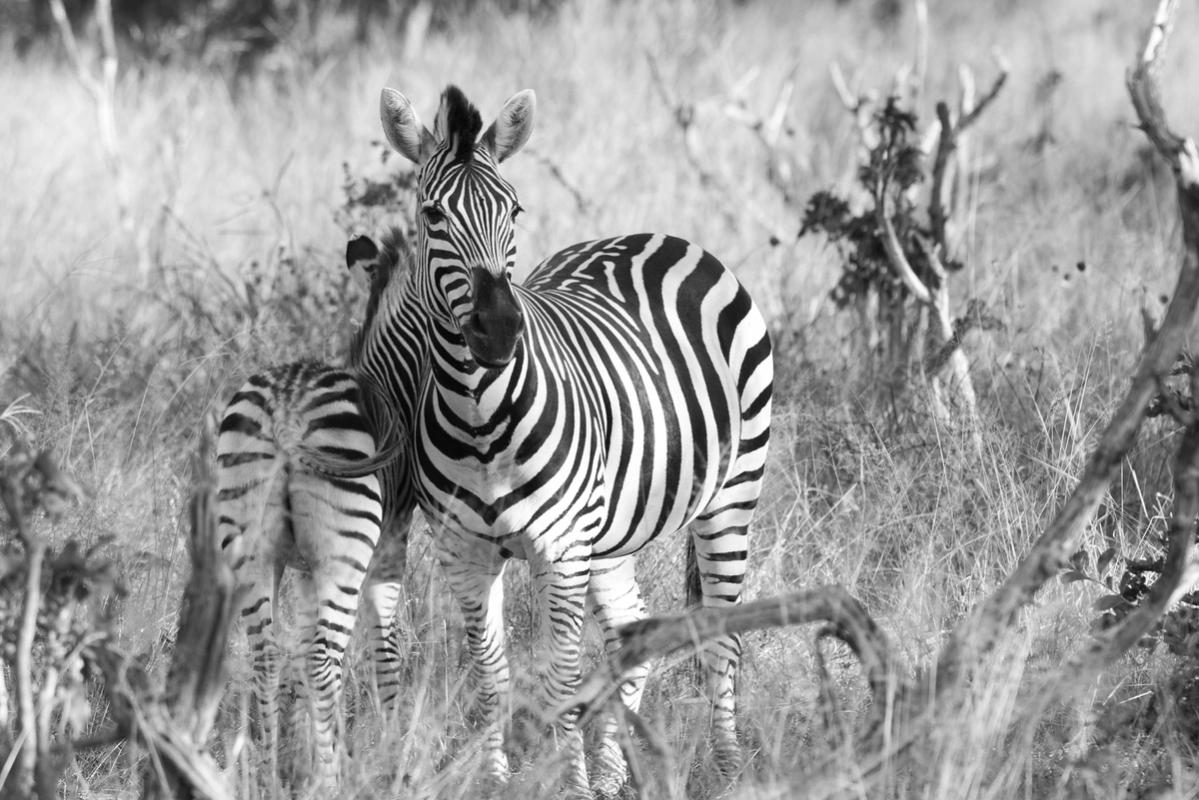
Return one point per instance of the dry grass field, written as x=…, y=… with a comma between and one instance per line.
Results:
x=239, y=211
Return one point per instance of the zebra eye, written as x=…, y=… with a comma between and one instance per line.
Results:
x=433, y=215
x=517, y=210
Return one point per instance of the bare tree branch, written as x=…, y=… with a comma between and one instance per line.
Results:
x=1142, y=86
x=679, y=635
x=947, y=143
x=972, y=115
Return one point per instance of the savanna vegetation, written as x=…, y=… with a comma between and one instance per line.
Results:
x=144, y=274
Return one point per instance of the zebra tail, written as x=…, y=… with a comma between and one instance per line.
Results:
x=695, y=594
x=390, y=435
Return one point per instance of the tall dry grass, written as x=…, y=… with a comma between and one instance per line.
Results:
x=237, y=188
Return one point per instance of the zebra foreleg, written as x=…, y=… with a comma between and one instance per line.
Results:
x=474, y=580
x=561, y=584
x=615, y=599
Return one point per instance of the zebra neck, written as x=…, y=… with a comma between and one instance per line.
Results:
x=394, y=351
x=474, y=394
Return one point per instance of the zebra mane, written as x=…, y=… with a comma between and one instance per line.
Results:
x=393, y=264
x=458, y=123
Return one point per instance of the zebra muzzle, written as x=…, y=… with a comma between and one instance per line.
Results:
x=494, y=326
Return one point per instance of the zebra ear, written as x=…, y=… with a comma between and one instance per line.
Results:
x=403, y=127
x=363, y=253
x=359, y=249
x=512, y=128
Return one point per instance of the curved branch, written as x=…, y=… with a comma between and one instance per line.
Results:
x=680, y=635
x=895, y=253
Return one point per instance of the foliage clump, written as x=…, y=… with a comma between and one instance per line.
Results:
x=892, y=168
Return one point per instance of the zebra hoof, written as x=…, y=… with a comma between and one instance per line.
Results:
x=609, y=773
x=728, y=762
x=609, y=787
x=493, y=773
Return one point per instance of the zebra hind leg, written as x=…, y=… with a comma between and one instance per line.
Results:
x=383, y=598
x=720, y=551
x=328, y=624
x=258, y=580
x=336, y=527
x=615, y=598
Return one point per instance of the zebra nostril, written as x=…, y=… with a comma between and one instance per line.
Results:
x=475, y=321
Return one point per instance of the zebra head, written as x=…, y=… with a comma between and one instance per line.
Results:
x=465, y=231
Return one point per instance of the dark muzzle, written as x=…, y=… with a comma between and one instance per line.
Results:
x=495, y=324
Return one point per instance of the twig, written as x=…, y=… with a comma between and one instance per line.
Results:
x=582, y=204
x=920, y=69
x=684, y=118
x=973, y=114
x=851, y=101
x=767, y=131
x=857, y=105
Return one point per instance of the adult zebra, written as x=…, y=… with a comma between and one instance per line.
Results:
x=621, y=393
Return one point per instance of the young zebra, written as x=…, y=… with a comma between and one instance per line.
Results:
x=387, y=267
x=623, y=392
x=304, y=454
